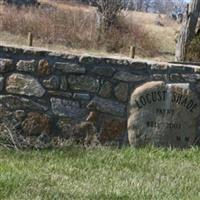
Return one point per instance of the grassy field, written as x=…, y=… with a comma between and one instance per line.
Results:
x=75, y=173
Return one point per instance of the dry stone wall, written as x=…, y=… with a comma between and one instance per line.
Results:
x=49, y=92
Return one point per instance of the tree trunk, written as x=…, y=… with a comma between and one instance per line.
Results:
x=188, y=31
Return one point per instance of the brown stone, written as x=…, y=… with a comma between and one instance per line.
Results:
x=92, y=117
x=44, y=68
x=163, y=115
x=36, y=123
x=111, y=128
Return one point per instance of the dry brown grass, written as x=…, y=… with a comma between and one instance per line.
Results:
x=165, y=35
x=73, y=26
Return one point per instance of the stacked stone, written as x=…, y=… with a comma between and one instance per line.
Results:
x=54, y=92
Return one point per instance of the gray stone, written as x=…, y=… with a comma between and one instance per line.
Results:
x=81, y=96
x=1, y=83
x=20, y=114
x=197, y=69
x=180, y=69
x=106, y=89
x=176, y=77
x=6, y=65
x=128, y=77
x=121, y=92
x=83, y=83
x=191, y=77
x=4, y=112
x=24, y=85
x=60, y=94
x=52, y=83
x=138, y=66
x=107, y=106
x=26, y=65
x=68, y=67
x=67, y=108
x=159, y=67
x=104, y=71
x=163, y=115
x=19, y=103
x=160, y=77
x=88, y=59
x=63, y=83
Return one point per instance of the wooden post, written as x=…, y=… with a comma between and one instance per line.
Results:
x=30, y=39
x=187, y=10
x=132, y=52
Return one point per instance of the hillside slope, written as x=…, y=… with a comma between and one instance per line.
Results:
x=163, y=37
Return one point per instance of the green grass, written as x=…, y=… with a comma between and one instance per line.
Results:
x=75, y=173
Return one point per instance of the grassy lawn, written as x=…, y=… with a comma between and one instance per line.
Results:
x=75, y=173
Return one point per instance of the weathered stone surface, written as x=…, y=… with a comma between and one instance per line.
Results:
x=36, y=124
x=160, y=77
x=104, y=71
x=121, y=91
x=6, y=65
x=60, y=94
x=66, y=126
x=107, y=106
x=197, y=69
x=67, y=108
x=68, y=67
x=159, y=67
x=138, y=66
x=163, y=115
x=128, y=77
x=26, y=65
x=17, y=103
x=88, y=59
x=180, y=69
x=52, y=83
x=4, y=112
x=63, y=83
x=81, y=96
x=44, y=69
x=1, y=83
x=106, y=89
x=20, y=115
x=85, y=133
x=24, y=84
x=176, y=77
x=112, y=128
x=191, y=77
x=83, y=83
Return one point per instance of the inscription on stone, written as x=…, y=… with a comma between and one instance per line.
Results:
x=163, y=115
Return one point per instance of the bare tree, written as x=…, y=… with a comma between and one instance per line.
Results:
x=188, y=30
x=108, y=11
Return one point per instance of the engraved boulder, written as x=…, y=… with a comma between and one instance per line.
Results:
x=163, y=114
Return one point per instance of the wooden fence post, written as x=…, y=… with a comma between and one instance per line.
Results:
x=30, y=39
x=132, y=52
